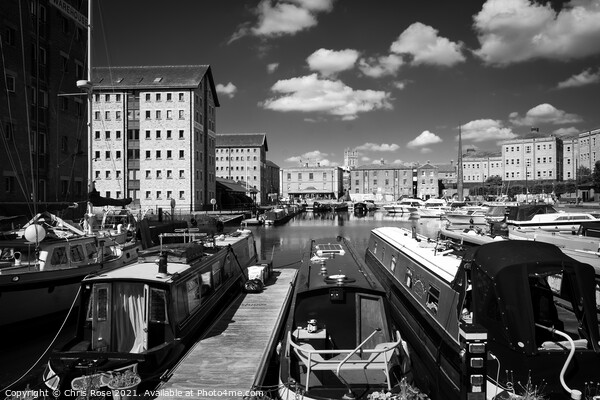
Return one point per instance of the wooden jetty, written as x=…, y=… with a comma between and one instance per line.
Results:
x=232, y=357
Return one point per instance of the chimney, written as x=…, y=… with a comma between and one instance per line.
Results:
x=318, y=164
x=451, y=163
x=162, y=265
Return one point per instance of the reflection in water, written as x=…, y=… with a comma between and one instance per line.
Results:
x=286, y=244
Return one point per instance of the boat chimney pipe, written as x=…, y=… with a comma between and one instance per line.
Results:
x=162, y=264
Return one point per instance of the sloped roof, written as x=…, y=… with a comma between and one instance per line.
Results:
x=152, y=77
x=235, y=187
x=271, y=164
x=381, y=166
x=242, y=140
x=446, y=167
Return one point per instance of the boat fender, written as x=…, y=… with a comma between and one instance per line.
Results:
x=17, y=257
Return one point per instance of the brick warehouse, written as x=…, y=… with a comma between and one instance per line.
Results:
x=153, y=135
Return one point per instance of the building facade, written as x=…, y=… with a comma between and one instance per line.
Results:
x=533, y=158
x=427, y=181
x=243, y=157
x=308, y=182
x=570, y=157
x=42, y=122
x=479, y=166
x=153, y=135
x=589, y=149
x=389, y=180
x=272, y=181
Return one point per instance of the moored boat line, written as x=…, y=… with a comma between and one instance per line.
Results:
x=525, y=296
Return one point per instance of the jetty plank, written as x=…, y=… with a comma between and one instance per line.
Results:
x=232, y=356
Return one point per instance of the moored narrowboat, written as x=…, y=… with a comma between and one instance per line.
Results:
x=136, y=321
x=505, y=319
x=339, y=340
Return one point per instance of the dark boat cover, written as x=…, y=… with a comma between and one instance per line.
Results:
x=501, y=273
x=526, y=212
x=99, y=201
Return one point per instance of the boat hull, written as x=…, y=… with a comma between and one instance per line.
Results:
x=35, y=294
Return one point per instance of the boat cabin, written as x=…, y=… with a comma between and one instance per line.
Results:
x=339, y=333
x=145, y=313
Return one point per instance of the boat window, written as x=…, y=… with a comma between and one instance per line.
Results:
x=193, y=293
x=77, y=253
x=206, y=283
x=433, y=299
x=102, y=297
x=217, y=271
x=375, y=248
x=59, y=256
x=91, y=251
x=158, y=306
x=393, y=265
x=382, y=253
x=408, y=278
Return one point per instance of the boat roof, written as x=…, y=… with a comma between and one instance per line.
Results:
x=181, y=257
x=423, y=251
x=341, y=262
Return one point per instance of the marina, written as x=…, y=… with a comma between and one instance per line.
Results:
x=252, y=326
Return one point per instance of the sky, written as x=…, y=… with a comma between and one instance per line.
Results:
x=392, y=79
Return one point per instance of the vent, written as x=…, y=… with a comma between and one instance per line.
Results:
x=157, y=80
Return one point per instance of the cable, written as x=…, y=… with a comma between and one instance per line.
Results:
x=49, y=346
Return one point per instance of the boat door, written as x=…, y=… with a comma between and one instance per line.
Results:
x=101, y=317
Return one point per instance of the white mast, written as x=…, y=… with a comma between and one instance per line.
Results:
x=87, y=86
x=459, y=178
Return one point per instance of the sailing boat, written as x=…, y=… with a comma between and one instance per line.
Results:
x=42, y=264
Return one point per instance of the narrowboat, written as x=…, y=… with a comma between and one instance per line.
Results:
x=339, y=339
x=42, y=265
x=136, y=321
x=500, y=320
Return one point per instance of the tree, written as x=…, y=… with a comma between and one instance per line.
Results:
x=596, y=175
x=584, y=175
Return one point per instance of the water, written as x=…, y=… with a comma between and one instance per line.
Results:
x=283, y=244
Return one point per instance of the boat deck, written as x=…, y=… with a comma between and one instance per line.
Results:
x=232, y=357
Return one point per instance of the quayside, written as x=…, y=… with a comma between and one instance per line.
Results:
x=497, y=320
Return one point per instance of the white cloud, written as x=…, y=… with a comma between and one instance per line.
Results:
x=425, y=150
x=366, y=159
x=482, y=130
x=378, y=147
x=333, y=97
x=312, y=158
x=587, y=77
x=512, y=31
x=283, y=18
x=544, y=114
x=426, y=47
x=272, y=67
x=315, y=5
x=424, y=139
x=376, y=67
x=228, y=90
x=400, y=84
x=330, y=62
x=566, y=131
